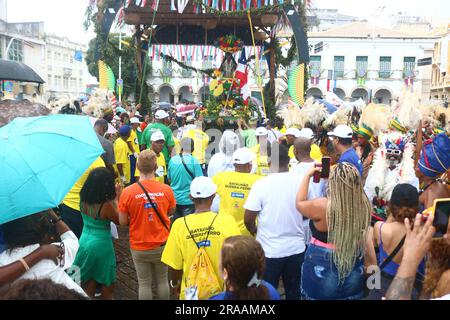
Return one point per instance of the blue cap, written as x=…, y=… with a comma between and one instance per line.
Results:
x=435, y=156
x=124, y=131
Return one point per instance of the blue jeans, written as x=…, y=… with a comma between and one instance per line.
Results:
x=133, y=162
x=320, y=277
x=289, y=269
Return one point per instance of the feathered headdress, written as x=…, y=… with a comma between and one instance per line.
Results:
x=313, y=112
x=374, y=120
x=341, y=116
x=378, y=177
x=291, y=116
x=98, y=104
x=407, y=112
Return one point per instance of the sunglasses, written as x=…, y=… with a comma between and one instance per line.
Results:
x=393, y=152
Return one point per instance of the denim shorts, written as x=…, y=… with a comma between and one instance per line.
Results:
x=320, y=277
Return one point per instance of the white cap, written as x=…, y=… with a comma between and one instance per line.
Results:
x=261, y=131
x=293, y=131
x=306, y=133
x=202, y=187
x=243, y=156
x=137, y=114
x=342, y=131
x=134, y=120
x=157, y=135
x=161, y=114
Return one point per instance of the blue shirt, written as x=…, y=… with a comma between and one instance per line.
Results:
x=180, y=180
x=351, y=157
x=226, y=295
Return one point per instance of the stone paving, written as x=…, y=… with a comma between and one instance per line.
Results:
x=126, y=287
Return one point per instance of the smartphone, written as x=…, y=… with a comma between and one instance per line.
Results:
x=317, y=174
x=326, y=163
x=441, y=216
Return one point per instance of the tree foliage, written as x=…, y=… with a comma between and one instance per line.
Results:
x=110, y=53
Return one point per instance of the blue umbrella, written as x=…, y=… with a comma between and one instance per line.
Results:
x=41, y=158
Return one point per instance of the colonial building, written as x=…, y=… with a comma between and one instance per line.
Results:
x=359, y=60
x=66, y=70
x=440, y=78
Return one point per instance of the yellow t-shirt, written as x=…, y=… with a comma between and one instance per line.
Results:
x=72, y=199
x=262, y=162
x=315, y=153
x=177, y=147
x=180, y=249
x=233, y=189
x=122, y=153
x=201, y=141
x=134, y=141
x=161, y=170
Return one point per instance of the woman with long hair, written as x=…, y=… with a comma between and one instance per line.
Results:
x=242, y=266
x=96, y=257
x=387, y=236
x=437, y=273
x=334, y=261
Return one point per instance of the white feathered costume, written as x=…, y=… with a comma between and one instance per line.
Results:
x=385, y=179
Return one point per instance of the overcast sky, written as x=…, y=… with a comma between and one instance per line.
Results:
x=65, y=17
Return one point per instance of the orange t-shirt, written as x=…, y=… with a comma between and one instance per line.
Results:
x=146, y=230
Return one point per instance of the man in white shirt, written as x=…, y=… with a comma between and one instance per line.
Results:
x=280, y=226
x=302, y=151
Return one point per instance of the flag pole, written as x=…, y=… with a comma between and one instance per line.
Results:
x=259, y=81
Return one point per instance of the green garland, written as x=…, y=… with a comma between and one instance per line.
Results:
x=253, y=11
x=208, y=72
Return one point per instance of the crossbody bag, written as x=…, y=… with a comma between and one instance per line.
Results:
x=154, y=206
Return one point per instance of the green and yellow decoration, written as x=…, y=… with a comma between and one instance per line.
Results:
x=296, y=85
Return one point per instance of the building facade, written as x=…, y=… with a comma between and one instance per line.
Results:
x=66, y=70
x=440, y=78
x=362, y=61
x=23, y=42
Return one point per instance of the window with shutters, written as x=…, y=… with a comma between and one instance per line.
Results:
x=15, y=52
x=409, y=64
x=338, y=66
x=314, y=66
x=361, y=66
x=385, y=67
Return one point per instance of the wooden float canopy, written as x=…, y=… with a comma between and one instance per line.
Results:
x=135, y=15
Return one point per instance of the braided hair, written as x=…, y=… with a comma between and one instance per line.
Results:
x=348, y=217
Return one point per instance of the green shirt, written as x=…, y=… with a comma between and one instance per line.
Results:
x=167, y=136
x=249, y=137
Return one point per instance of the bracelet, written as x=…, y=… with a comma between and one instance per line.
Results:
x=174, y=286
x=25, y=265
x=55, y=221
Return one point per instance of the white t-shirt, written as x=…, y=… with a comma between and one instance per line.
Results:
x=273, y=135
x=280, y=225
x=47, y=269
x=219, y=162
x=315, y=190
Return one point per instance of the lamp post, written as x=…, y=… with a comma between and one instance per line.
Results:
x=9, y=46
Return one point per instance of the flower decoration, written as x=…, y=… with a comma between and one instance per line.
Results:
x=229, y=43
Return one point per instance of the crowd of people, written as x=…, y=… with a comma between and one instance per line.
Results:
x=337, y=206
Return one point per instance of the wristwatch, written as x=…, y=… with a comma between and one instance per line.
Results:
x=55, y=220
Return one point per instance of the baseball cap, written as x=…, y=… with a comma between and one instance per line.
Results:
x=134, y=120
x=161, y=114
x=157, y=135
x=341, y=131
x=137, y=114
x=294, y=132
x=243, y=156
x=261, y=131
x=405, y=195
x=306, y=133
x=124, y=131
x=202, y=187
